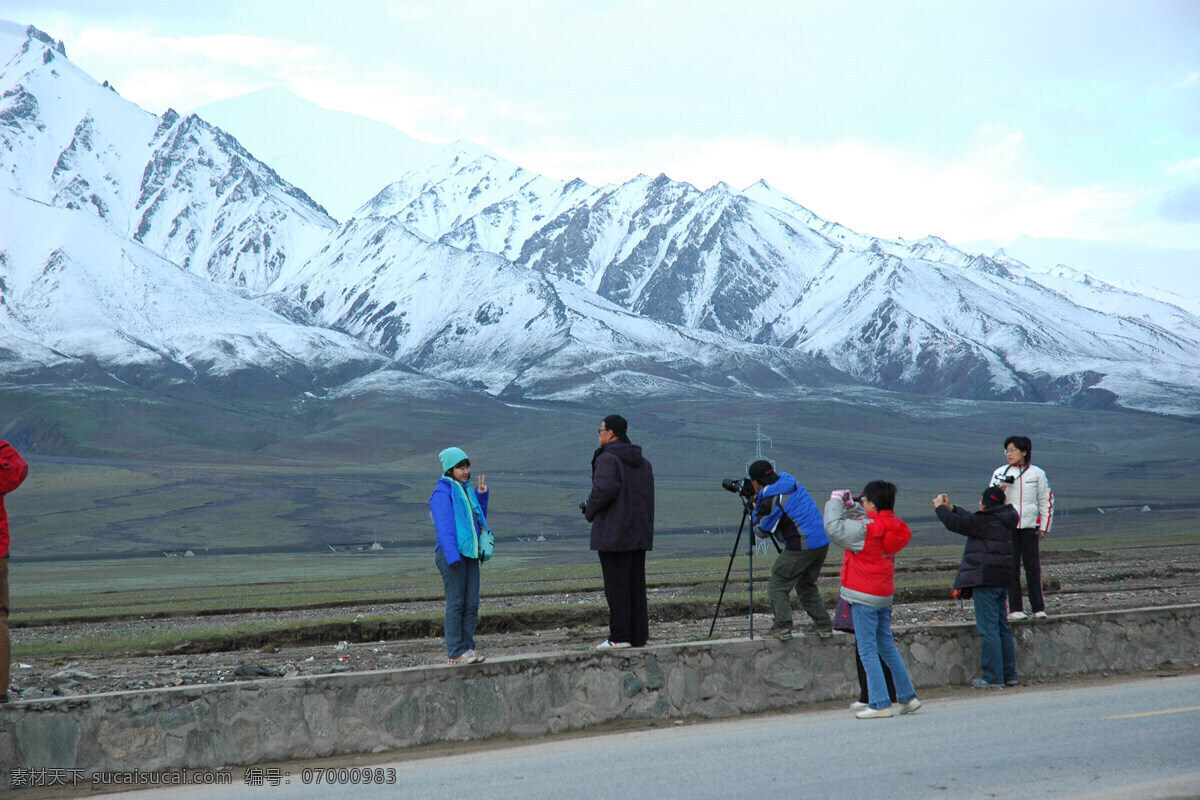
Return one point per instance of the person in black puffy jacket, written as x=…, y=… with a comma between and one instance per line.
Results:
x=621, y=510
x=984, y=576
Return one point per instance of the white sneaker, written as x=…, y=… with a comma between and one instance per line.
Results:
x=608, y=644
x=856, y=705
x=910, y=706
x=1017, y=616
x=1041, y=615
x=874, y=713
x=475, y=658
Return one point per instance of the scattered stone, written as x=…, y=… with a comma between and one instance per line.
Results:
x=254, y=671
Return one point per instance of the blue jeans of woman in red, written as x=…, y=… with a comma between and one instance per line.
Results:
x=873, y=634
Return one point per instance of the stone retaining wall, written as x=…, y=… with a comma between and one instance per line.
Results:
x=280, y=719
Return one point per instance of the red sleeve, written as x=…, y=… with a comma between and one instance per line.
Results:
x=896, y=537
x=13, y=468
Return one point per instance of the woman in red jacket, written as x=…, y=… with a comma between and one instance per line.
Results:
x=13, y=470
x=868, y=567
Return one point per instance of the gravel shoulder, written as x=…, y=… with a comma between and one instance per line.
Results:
x=568, y=621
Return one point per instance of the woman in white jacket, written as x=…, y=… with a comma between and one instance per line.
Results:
x=1028, y=491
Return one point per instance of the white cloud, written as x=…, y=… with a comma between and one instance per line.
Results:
x=185, y=72
x=1190, y=166
x=188, y=71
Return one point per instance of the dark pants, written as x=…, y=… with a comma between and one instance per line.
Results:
x=1025, y=548
x=862, y=679
x=625, y=590
x=798, y=569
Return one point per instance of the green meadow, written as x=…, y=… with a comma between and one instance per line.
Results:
x=168, y=506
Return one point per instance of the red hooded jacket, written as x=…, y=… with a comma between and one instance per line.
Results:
x=871, y=572
x=13, y=470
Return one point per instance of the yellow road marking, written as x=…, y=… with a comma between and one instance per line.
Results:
x=1156, y=713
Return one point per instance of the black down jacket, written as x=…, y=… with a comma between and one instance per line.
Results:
x=621, y=504
x=987, y=558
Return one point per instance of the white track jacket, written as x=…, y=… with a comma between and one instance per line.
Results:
x=1028, y=491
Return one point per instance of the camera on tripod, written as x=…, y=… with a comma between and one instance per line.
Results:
x=744, y=489
x=740, y=486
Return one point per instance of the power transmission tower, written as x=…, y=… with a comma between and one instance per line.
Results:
x=758, y=442
x=762, y=545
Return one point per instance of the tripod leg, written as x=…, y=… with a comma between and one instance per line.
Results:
x=751, y=586
x=728, y=569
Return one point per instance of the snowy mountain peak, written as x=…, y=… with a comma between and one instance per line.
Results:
x=26, y=35
x=295, y=135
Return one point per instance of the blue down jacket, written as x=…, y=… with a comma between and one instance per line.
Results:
x=786, y=512
x=442, y=507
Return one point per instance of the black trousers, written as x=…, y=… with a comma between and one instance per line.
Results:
x=625, y=590
x=1026, y=548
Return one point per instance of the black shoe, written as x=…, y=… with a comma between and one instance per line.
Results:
x=782, y=634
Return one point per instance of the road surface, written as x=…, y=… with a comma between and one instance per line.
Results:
x=1133, y=738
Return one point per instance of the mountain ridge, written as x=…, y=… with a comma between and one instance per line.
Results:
x=472, y=269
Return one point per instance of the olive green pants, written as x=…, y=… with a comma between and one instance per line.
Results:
x=799, y=570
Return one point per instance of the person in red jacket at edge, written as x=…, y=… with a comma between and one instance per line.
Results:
x=871, y=535
x=13, y=470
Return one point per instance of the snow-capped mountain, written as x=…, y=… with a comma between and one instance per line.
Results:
x=105, y=213
x=974, y=327
x=480, y=320
x=78, y=298
x=658, y=248
x=342, y=160
x=187, y=190
x=159, y=251
x=756, y=266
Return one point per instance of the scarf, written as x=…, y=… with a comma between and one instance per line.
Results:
x=468, y=519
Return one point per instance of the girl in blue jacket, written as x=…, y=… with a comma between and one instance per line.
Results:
x=464, y=541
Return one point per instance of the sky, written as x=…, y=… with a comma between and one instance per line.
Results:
x=1062, y=131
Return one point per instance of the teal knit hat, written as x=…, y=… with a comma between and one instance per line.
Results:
x=452, y=457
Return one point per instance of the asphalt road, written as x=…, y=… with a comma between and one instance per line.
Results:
x=1128, y=739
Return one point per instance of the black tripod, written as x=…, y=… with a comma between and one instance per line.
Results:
x=747, y=505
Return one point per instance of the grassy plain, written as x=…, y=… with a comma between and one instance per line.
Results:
x=269, y=498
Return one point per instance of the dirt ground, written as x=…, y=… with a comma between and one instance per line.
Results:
x=1080, y=580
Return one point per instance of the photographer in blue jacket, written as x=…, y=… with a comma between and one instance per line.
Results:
x=785, y=511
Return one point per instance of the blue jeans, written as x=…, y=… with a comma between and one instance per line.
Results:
x=462, y=602
x=873, y=633
x=998, y=650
